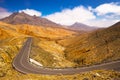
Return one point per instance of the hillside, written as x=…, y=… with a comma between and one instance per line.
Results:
x=99, y=46
x=8, y=31
x=35, y=31
x=44, y=32
x=44, y=41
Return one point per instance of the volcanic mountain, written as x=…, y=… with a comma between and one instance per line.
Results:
x=81, y=27
x=23, y=18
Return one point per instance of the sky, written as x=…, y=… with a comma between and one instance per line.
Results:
x=100, y=13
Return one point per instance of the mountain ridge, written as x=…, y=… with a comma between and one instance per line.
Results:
x=23, y=18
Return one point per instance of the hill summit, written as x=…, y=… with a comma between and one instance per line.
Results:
x=82, y=27
x=23, y=18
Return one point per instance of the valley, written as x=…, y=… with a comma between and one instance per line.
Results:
x=58, y=47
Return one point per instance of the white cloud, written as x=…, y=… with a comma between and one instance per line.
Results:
x=70, y=16
x=107, y=14
x=113, y=8
x=4, y=13
x=31, y=12
x=101, y=22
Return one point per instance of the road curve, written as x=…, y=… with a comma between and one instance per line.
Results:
x=21, y=63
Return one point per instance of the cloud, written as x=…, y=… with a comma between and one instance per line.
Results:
x=108, y=8
x=31, y=12
x=70, y=16
x=107, y=14
x=4, y=13
x=101, y=22
x=103, y=15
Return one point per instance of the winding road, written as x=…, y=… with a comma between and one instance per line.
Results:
x=21, y=63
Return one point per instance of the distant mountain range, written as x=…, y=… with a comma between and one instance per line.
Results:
x=23, y=18
x=81, y=27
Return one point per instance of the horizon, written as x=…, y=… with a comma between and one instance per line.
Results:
x=95, y=13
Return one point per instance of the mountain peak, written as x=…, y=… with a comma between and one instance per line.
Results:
x=81, y=27
x=23, y=14
x=23, y=18
x=77, y=24
x=19, y=13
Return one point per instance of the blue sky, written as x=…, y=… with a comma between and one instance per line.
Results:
x=49, y=6
x=66, y=12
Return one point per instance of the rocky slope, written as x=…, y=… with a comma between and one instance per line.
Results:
x=96, y=47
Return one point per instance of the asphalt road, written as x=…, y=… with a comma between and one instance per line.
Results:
x=21, y=63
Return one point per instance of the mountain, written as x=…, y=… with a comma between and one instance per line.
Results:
x=23, y=18
x=81, y=27
x=96, y=47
